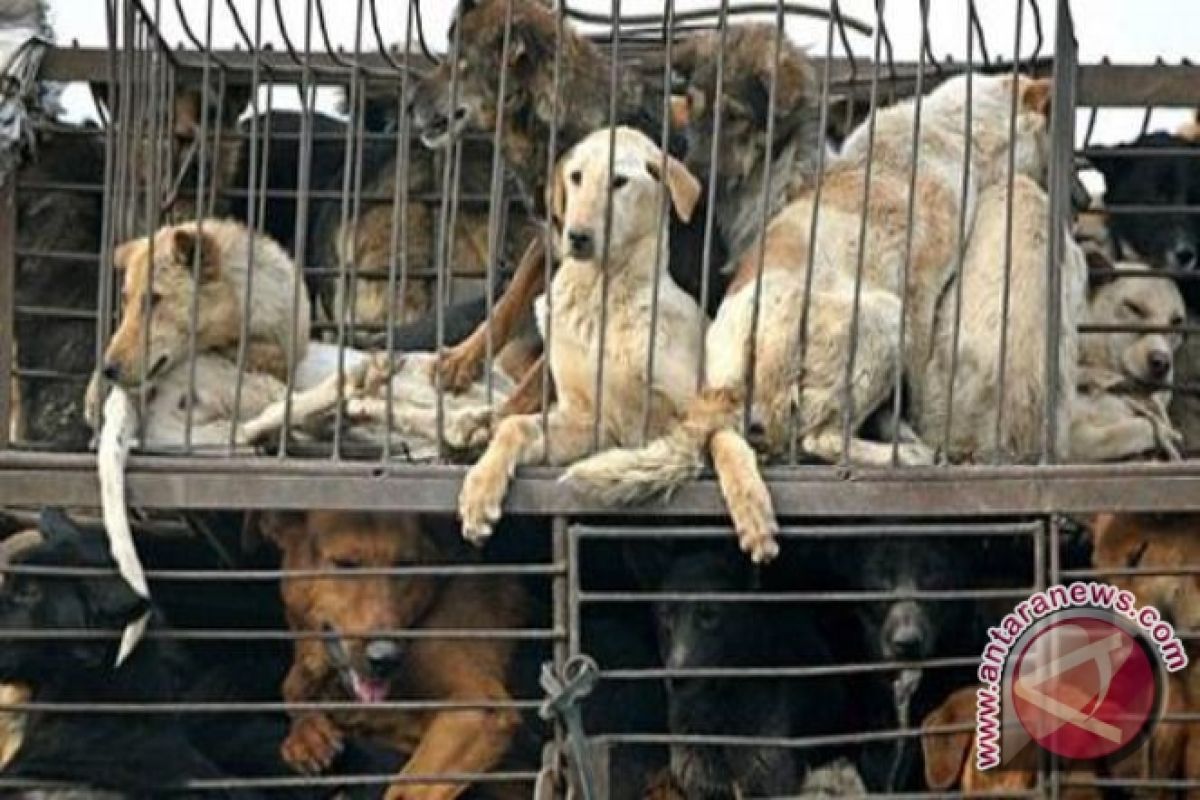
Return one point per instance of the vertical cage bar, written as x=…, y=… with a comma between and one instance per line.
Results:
x=8, y=333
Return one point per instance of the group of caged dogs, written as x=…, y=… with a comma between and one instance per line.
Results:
x=813, y=333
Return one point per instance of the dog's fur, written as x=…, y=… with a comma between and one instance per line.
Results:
x=779, y=392
x=977, y=395
x=126, y=754
x=444, y=741
x=699, y=634
x=51, y=412
x=740, y=170
x=158, y=280
x=1120, y=408
x=633, y=275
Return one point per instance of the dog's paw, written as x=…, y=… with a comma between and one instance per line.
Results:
x=479, y=501
x=470, y=428
x=459, y=367
x=918, y=454
x=754, y=520
x=312, y=744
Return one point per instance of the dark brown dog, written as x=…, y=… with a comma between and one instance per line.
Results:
x=361, y=664
x=531, y=111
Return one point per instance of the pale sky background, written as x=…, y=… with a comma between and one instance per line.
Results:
x=1126, y=31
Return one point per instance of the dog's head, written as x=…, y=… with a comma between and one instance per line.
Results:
x=160, y=281
x=991, y=112
x=1167, y=239
x=749, y=68
x=357, y=610
x=479, y=27
x=1149, y=542
x=80, y=603
x=1146, y=358
x=950, y=756
x=579, y=193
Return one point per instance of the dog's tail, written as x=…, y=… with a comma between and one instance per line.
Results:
x=624, y=476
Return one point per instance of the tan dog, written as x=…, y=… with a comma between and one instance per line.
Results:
x=807, y=387
x=1120, y=410
x=632, y=273
x=978, y=396
x=370, y=670
x=159, y=279
x=950, y=757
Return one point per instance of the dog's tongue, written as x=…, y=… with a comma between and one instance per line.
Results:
x=369, y=690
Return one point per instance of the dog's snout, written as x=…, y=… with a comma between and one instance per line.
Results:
x=111, y=371
x=582, y=242
x=383, y=655
x=1185, y=256
x=906, y=641
x=1159, y=362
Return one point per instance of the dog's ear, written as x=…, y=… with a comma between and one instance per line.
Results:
x=284, y=528
x=682, y=184
x=58, y=529
x=1100, y=268
x=188, y=244
x=1110, y=164
x=113, y=601
x=556, y=195
x=1036, y=95
x=946, y=753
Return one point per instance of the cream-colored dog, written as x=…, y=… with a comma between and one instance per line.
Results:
x=635, y=270
x=809, y=386
x=1120, y=409
x=989, y=421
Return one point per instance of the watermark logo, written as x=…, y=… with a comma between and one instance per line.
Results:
x=1076, y=670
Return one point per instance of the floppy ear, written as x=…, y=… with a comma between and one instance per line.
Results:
x=189, y=244
x=58, y=529
x=1035, y=95
x=683, y=185
x=114, y=601
x=556, y=195
x=946, y=753
x=1099, y=268
x=284, y=528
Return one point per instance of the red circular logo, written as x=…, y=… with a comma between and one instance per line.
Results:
x=1083, y=687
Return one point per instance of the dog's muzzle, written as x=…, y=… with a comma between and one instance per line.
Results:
x=439, y=130
x=581, y=244
x=373, y=682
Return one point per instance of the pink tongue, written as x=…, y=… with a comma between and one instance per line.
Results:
x=369, y=691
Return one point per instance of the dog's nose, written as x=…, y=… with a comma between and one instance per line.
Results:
x=382, y=655
x=1159, y=363
x=582, y=243
x=112, y=371
x=907, y=642
x=1185, y=257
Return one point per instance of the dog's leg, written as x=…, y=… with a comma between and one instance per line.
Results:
x=460, y=365
x=746, y=495
x=314, y=741
x=1116, y=440
x=460, y=741
x=268, y=357
x=517, y=441
x=305, y=405
x=527, y=397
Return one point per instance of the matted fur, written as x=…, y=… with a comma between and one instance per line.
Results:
x=815, y=402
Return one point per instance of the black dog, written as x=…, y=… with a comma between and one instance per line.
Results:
x=705, y=634
x=137, y=755
x=1168, y=239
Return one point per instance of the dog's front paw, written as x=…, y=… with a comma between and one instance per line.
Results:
x=312, y=744
x=754, y=520
x=479, y=501
x=459, y=366
x=470, y=428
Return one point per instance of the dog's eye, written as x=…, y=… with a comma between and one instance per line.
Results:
x=1133, y=308
x=344, y=563
x=155, y=299
x=1176, y=321
x=620, y=181
x=576, y=178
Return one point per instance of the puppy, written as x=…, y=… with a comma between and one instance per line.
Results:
x=634, y=273
x=1120, y=408
x=806, y=386
x=980, y=402
x=361, y=664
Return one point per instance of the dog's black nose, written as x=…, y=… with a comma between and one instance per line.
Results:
x=382, y=655
x=1159, y=363
x=112, y=371
x=583, y=244
x=907, y=643
x=1185, y=257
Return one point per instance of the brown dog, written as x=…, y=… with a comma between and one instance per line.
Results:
x=950, y=757
x=361, y=664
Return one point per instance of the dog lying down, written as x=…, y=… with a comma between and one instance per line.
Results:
x=261, y=406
